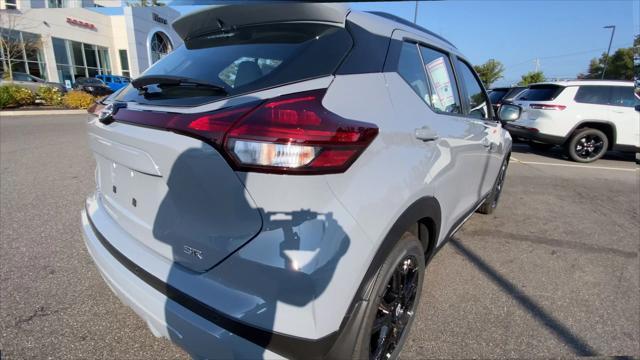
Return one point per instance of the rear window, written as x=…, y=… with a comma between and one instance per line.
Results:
x=541, y=93
x=245, y=60
x=496, y=95
x=513, y=92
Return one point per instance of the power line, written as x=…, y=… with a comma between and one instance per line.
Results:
x=528, y=61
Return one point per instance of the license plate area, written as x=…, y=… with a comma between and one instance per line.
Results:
x=130, y=194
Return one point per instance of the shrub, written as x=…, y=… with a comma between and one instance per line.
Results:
x=12, y=95
x=77, y=100
x=7, y=97
x=24, y=96
x=50, y=95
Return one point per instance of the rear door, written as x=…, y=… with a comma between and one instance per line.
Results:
x=477, y=109
x=592, y=103
x=458, y=179
x=623, y=114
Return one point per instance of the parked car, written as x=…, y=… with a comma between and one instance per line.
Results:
x=92, y=86
x=114, y=82
x=587, y=117
x=30, y=82
x=285, y=202
x=501, y=95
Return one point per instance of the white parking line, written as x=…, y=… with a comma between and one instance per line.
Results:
x=571, y=165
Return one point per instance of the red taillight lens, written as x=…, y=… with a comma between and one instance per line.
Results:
x=292, y=134
x=547, y=107
x=295, y=134
x=209, y=127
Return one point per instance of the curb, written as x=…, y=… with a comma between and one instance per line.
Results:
x=42, y=112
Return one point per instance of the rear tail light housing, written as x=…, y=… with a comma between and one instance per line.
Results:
x=547, y=107
x=290, y=134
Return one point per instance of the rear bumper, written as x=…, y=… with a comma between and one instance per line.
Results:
x=239, y=309
x=533, y=134
x=165, y=317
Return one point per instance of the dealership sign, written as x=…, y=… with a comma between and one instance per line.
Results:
x=81, y=23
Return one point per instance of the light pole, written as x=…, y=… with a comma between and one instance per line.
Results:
x=606, y=60
x=415, y=13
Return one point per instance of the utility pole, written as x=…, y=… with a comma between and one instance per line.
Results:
x=606, y=60
x=415, y=13
x=537, y=62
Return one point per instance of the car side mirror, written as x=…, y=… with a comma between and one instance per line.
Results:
x=509, y=112
x=637, y=107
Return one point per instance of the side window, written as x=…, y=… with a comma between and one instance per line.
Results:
x=478, y=104
x=21, y=77
x=444, y=93
x=410, y=69
x=623, y=96
x=593, y=94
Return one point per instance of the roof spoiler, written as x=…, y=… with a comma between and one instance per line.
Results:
x=220, y=18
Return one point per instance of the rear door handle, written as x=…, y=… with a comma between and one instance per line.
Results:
x=426, y=134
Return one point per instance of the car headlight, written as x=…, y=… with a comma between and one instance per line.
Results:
x=90, y=88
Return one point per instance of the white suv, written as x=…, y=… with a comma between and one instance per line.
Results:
x=587, y=117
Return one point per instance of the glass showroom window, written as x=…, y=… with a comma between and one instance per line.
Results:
x=160, y=46
x=75, y=59
x=124, y=63
x=22, y=51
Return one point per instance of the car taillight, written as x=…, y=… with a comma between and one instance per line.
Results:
x=295, y=134
x=547, y=107
x=209, y=127
x=291, y=134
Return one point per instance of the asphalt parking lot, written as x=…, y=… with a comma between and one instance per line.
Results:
x=554, y=272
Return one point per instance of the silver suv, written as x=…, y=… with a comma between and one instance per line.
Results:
x=275, y=187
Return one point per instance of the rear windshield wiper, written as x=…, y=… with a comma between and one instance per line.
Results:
x=142, y=82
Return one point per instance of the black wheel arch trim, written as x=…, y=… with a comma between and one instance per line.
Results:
x=581, y=124
x=424, y=207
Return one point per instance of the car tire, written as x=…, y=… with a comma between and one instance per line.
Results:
x=386, y=313
x=491, y=202
x=540, y=146
x=587, y=145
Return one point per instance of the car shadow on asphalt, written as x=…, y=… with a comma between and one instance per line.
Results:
x=554, y=325
x=558, y=153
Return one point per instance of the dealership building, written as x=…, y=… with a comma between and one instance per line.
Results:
x=61, y=40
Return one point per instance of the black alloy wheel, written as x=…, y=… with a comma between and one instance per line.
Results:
x=395, y=309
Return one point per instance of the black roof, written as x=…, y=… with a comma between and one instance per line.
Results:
x=409, y=24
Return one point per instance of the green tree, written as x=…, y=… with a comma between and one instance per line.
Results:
x=619, y=67
x=532, y=77
x=489, y=72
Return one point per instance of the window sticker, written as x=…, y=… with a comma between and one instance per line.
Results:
x=441, y=81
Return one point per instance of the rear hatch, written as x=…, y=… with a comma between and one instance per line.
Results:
x=538, y=100
x=161, y=174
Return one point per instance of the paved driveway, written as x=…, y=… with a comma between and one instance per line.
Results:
x=554, y=272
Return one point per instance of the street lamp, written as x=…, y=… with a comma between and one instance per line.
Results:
x=606, y=60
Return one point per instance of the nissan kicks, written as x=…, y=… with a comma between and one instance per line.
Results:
x=274, y=187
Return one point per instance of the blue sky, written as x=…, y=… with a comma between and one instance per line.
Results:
x=563, y=35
